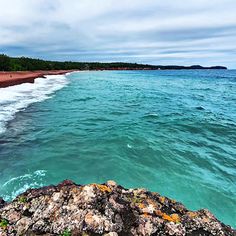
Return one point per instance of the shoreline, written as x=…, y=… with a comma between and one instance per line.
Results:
x=11, y=78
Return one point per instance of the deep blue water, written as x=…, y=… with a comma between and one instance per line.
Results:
x=173, y=132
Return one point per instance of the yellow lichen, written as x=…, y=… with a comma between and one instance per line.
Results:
x=141, y=205
x=166, y=217
x=192, y=214
x=172, y=218
x=102, y=187
x=175, y=218
x=162, y=199
x=146, y=215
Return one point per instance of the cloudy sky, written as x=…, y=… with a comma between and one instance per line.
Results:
x=179, y=32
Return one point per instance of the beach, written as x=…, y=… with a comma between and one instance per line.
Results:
x=18, y=77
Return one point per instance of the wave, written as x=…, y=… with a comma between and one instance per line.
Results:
x=20, y=184
x=16, y=98
x=84, y=99
x=151, y=115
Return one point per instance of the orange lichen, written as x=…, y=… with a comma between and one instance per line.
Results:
x=159, y=213
x=146, y=215
x=175, y=218
x=172, y=218
x=162, y=199
x=76, y=190
x=102, y=187
x=141, y=205
x=166, y=217
x=192, y=214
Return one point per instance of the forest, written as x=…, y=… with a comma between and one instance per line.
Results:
x=29, y=64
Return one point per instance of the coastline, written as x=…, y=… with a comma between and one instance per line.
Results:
x=83, y=99
x=11, y=78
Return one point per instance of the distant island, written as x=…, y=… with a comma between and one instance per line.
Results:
x=29, y=64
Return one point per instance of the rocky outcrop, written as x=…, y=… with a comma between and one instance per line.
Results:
x=102, y=209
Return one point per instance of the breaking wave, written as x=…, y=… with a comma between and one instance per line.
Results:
x=20, y=184
x=16, y=98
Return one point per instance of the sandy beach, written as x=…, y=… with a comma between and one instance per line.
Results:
x=19, y=77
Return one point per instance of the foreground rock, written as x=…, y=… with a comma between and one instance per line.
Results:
x=102, y=209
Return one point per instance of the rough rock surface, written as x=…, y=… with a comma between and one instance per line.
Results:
x=102, y=209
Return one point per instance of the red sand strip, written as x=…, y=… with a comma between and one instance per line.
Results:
x=14, y=78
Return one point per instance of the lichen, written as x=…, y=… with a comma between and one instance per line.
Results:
x=172, y=218
x=4, y=223
x=141, y=205
x=192, y=214
x=102, y=187
x=162, y=199
x=175, y=218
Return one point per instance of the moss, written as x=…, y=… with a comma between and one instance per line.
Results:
x=136, y=200
x=4, y=223
x=66, y=233
x=22, y=199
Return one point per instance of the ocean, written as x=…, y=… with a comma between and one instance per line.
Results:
x=173, y=132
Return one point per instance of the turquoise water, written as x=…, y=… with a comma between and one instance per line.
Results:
x=173, y=132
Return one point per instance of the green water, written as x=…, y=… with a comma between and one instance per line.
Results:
x=173, y=132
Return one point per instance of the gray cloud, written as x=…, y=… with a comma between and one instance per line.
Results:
x=151, y=31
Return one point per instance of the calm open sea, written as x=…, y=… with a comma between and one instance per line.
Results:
x=173, y=132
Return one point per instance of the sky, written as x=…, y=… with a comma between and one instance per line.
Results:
x=160, y=32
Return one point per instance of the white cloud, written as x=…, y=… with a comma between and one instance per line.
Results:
x=130, y=30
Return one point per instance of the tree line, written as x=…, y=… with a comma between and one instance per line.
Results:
x=29, y=64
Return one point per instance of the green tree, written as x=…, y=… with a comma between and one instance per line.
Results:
x=5, y=63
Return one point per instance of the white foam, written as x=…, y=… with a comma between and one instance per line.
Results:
x=20, y=184
x=16, y=98
x=129, y=146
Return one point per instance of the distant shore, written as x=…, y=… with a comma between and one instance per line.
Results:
x=30, y=68
x=14, y=78
x=10, y=78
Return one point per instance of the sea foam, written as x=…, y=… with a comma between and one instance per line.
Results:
x=16, y=98
x=20, y=184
